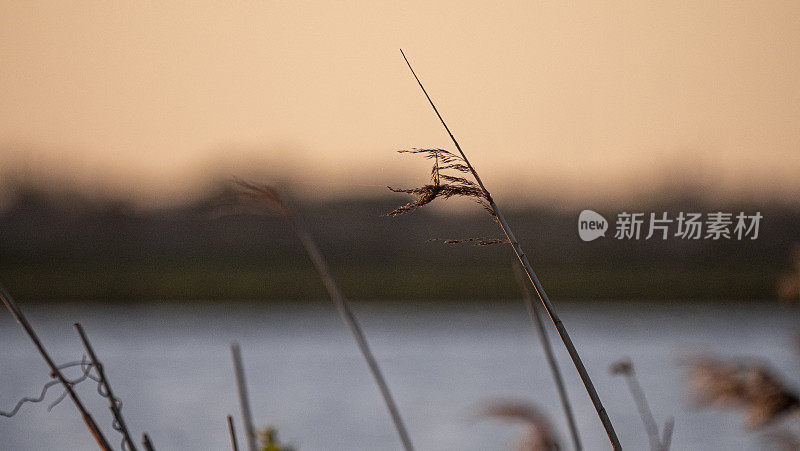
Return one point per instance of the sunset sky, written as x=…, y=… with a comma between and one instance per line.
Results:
x=553, y=101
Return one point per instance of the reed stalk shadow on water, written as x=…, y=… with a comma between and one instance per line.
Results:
x=536, y=318
x=54, y=369
x=477, y=190
x=268, y=197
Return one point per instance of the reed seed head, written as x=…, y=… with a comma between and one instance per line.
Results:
x=622, y=367
x=445, y=186
x=540, y=437
x=261, y=195
x=750, y=386
x=442, y=185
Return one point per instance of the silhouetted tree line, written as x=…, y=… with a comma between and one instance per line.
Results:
x=41, y=233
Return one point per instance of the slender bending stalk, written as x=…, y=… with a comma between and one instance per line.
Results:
x=533, y=311
x=352, y=324
x=114, y=403
x=244, y=400
x=269, y=197
x=625, y=368
x=54, y=371
x=232, y=432
x=644, y=411
x=562, y=332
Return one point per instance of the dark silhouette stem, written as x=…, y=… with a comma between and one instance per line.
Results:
x=232, y=433
x=112, y=400
x=54, y=371
x=536, y=318
x=244, y=400
x=146, y=443
x=562, y=332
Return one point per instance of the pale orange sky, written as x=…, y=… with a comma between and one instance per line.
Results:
x=551, y=100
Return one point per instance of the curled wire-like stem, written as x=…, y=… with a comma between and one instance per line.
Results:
x=86, y=373
x=85, y=368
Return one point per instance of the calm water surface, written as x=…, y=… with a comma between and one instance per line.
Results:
x=171, y=366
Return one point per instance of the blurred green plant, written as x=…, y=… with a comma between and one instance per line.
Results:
x=268, y=440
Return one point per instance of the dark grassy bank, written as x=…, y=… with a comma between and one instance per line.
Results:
x=173, y=282
x=76, y=249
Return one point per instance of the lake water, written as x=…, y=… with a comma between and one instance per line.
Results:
x=171, y=365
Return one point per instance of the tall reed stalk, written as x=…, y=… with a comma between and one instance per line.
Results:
x=54, y=371
x=625, y=368
x=536, y=318
x=114, y=403
x=232, y=433
x=523, y=259
x=268, y=196
x=244, y=400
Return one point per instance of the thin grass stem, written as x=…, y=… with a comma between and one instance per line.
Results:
x=644, y=410
x=625, y=368
x=232, y=433
x=244, y=400
x=349, y=318
x=114, y=404
x=536, y=318
x=269, y=197
x=562, y=331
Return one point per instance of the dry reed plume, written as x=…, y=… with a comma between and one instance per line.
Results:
x=540, y=436
x=751, y=387
x=783, y=440
x=446, y=186
x=452, y=185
